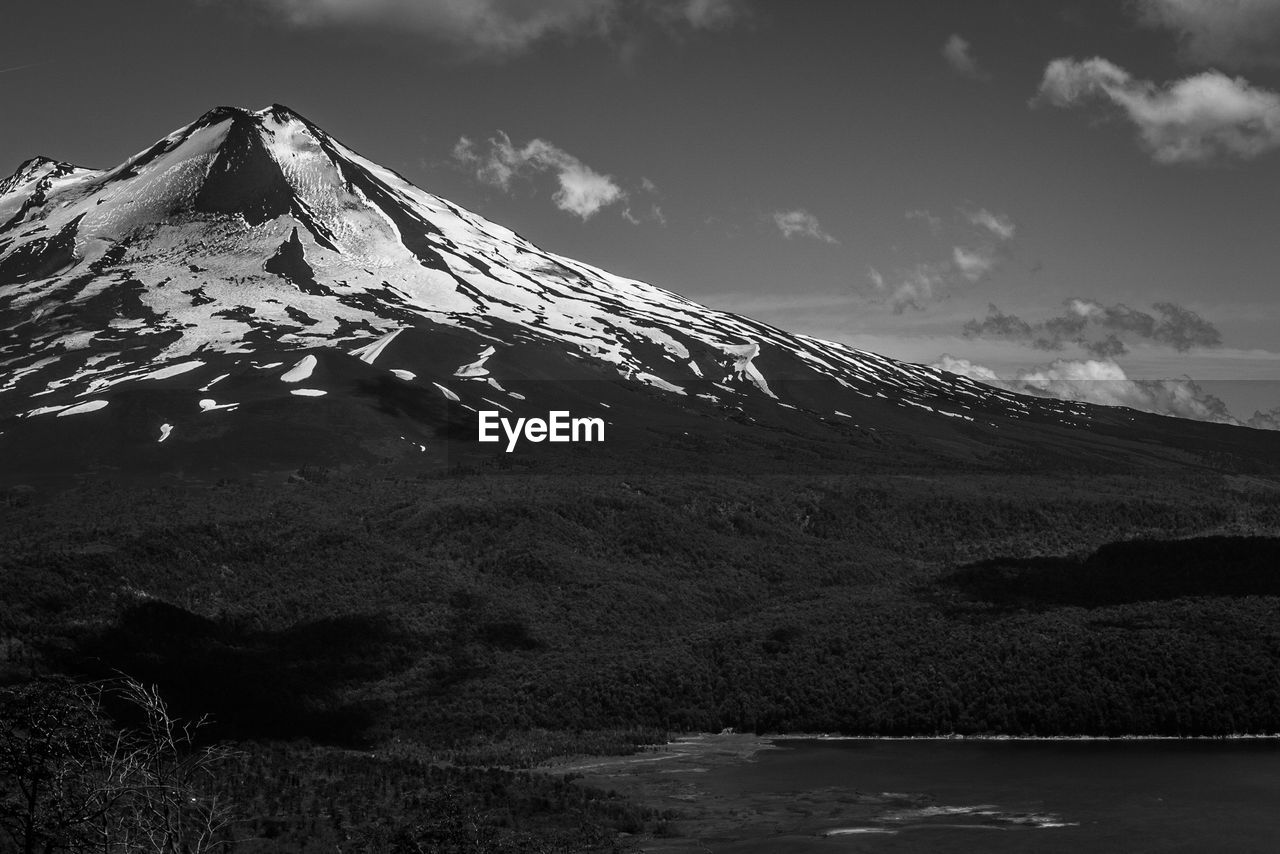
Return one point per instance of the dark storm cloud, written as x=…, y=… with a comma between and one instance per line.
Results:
x=1107, y=348
x=997, y=324
x=1183, y=329
x=1205, y=117
x=1118, y=317
x=498, y=28
x=1177, y=327
x=1223, y=33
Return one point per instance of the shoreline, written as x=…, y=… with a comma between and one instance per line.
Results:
x=679, y=780
x=962, y=737
x=741, y=746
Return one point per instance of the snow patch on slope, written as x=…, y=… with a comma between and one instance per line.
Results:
x=371, y=352
x=80, y=408
x=743, y=366
x=476, y=370
x=448, y=394
x=301, y=371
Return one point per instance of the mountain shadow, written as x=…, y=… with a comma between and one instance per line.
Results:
x=1128, y=572
x=252, y=684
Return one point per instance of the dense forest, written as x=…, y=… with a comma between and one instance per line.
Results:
x=389, y=657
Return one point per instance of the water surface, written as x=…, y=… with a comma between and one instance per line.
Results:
x=977, y=796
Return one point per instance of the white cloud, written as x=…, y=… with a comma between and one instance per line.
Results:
x=653, y=214
x=1105, y=382
x=916, y=287
x=801, y=223
x=700, y=14
x=1197, y=119
x=1101, y=381
x=1269, y=420
x=930, y=219
x=583, y=191
x=965, y=368
x=1229, y=33
x=498, y=28
x=973, y=264
x=983, y=251
x=998, y=224
x=958, y=53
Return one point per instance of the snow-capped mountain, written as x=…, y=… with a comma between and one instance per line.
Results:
x=249, y=275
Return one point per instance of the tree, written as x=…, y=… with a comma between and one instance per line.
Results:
x=71, y=782
x=50, y=733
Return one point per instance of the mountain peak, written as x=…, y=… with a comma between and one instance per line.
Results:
x=276, y=112
x=37, y=162
x=179, y=287
x=35, y=168
x=244, y=177
x=280, y=112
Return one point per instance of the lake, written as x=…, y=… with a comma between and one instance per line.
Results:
x=966, y=796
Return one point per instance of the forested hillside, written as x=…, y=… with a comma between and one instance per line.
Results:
x=501, y=619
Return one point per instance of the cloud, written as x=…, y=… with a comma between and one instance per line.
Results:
x=653, y=214
x=1183, y=329
x=502, y=28
x=930, y=219
x=1225, y=33
x=801, y=223
x=1205, y=117
x=583, y=191
x=21, y=67
x=636, y=212
x=1177, y=327
x=959, y=55
x=915, y=287
x=973, y=264
x=999, y=225
x=1269, y=420
x=1104, y=382
x=997, y=324
x=965, y=368
x=700, y=14
x=979, y=251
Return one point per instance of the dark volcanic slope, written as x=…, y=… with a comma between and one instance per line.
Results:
x=250, y=293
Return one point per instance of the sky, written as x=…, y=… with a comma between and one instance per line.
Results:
x=1073, y=198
